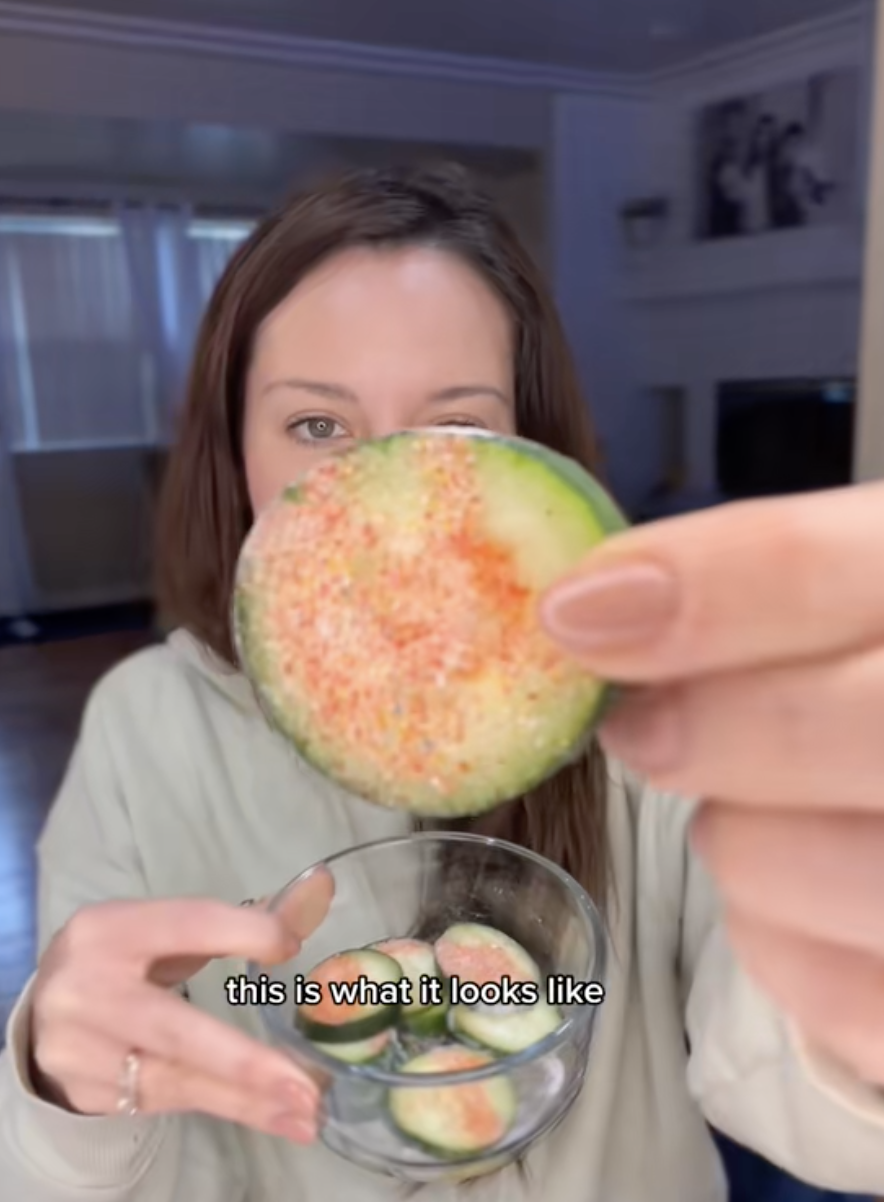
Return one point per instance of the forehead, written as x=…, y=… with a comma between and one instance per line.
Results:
x=420, y=306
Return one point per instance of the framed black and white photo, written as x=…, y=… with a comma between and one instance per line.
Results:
x=780, y=159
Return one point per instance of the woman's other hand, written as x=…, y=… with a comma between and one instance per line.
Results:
x=105, y=988
x=753, y=637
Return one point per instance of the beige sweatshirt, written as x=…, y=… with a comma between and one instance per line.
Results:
x=177, y=787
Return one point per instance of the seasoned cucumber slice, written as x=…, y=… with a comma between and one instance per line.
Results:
x=427, y=1023
x=366, y=1051
x=418, y=963
x=508, y=1033
x=387, y=611
x=454, y=1120
x=482, y=955
x=360, y=997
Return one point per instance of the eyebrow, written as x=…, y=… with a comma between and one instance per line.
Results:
x=339, y=393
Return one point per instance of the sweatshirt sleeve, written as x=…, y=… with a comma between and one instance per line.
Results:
x=751, y=1072
x=86, y=854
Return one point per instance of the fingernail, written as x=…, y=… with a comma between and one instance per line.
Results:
x=616, y=605
x=647, y=732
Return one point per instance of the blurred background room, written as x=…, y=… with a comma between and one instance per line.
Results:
x=691, y=175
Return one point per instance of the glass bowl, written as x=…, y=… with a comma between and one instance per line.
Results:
x=417, y=886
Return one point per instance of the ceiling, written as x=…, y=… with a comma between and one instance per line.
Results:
x=632, y=35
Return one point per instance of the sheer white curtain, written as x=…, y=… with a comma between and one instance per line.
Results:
x=72, y=360
x=174, y=261
x=165, y=299
x=97, y=321
x=213, y=244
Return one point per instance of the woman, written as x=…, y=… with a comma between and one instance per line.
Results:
x=756, y=182
x=387, y=301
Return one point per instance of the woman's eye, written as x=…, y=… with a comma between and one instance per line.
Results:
x=316, y=429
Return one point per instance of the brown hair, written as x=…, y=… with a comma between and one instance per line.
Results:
x=205, y=512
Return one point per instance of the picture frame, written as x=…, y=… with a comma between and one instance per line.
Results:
x=779, y=159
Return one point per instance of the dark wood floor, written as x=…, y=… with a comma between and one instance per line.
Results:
x=42, y=691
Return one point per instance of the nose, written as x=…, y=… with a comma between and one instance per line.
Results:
x=390, y=414
x=385, y=429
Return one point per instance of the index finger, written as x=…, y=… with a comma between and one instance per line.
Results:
x=198, y=927
x=742, y=585
x=304, y=905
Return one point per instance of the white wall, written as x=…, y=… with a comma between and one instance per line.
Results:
x=766, y=334
x=597, y=158
x=687, y=314
x=781, y=304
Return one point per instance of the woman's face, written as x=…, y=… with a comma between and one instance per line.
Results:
x=371, y=343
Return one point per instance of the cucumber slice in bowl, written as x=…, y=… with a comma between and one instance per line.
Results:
x=359, y=998
x=483, y=960
x=451, y=1121
x=386, y=609
x=416, y=959
x=506, y=1034
x=426, y=1024
x=365, y=1051
x=423, y=1015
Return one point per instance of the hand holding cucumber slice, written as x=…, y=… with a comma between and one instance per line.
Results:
x=386, y=610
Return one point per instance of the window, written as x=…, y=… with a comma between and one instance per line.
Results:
x=70, y=357
x=97, y=320
x=214, y=243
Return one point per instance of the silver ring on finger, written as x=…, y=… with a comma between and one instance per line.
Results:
x=128, y=1100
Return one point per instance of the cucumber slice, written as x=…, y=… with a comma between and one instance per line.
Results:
x=509, y=1033
x=454, y=1120
x=361, y=996
x=427, y=1023
x=481, y=955
x=366, y=1051
x=386, y=609
x=417, y=962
